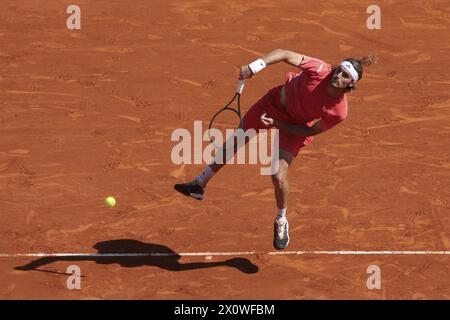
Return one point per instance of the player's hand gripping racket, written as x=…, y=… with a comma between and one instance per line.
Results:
x=226, y=120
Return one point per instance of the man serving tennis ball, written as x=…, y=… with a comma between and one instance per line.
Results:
x=308, y=103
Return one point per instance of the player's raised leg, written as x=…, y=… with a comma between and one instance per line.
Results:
x=196, y=187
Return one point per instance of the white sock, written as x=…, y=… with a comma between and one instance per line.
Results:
x=203, y=178
x=282, y=213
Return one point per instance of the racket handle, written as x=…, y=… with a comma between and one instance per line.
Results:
x=240, y=86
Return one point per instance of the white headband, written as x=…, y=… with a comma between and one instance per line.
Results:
x=348, y=66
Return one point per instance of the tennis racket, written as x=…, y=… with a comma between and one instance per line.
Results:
x=226, y=120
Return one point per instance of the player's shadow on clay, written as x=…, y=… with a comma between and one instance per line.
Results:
x=158, y=256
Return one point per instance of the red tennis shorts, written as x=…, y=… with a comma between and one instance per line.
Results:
x=270, y=103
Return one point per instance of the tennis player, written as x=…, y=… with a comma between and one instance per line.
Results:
x=307, y=104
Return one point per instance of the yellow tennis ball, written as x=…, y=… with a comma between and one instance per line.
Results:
x=110, y=201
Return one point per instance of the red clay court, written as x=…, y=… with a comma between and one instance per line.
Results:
x=88, y=113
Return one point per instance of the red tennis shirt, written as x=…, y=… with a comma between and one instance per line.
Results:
x=307, y=98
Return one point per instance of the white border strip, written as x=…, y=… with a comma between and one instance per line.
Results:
x=211, y=254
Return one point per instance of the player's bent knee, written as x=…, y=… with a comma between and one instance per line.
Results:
x=279, y=180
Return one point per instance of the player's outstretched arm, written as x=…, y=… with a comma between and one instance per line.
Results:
x=272, y=57
x=287, y=56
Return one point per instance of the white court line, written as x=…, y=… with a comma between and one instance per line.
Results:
x=211, y=254
x=361, y=252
